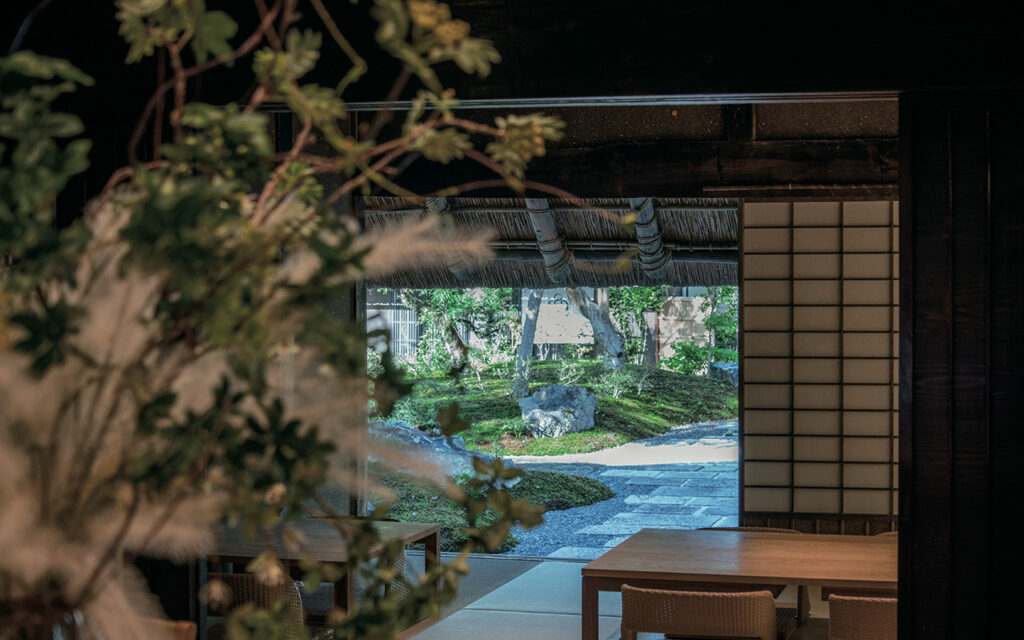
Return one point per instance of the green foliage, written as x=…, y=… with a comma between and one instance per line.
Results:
x=489, y=313
x=614, y=381
x=650, y=402
x=722, y=306
x=150, y=24
x=557, y=491
x=690, y=358
x=179, y=334
x=524, y=138
x=627, y=306
x=570, y=371
x=37, y=157
x=417, y=501
x=722, y=322
x=46, y=334
x=443, y=145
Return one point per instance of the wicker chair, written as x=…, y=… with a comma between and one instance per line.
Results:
x=857, y=618
x=244, y=588
x=802, y=594
x=699, y=614
x=862, y=593
x=319, y=602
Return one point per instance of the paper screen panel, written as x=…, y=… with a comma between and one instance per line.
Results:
x=819, y=369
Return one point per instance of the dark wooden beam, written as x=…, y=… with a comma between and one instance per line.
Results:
x=738, y=121
x=725, y=256
x=666, y=168
x=961, y=349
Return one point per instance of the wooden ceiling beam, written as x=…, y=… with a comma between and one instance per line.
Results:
x=696, y=168
x=605, y=257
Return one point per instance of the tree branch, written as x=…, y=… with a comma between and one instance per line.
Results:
x=247, y=46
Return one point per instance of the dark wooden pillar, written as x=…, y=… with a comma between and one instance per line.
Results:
x=961, y=361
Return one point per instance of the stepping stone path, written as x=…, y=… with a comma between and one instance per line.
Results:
x=659, y=496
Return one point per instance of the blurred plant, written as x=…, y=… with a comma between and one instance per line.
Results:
x=162, y=368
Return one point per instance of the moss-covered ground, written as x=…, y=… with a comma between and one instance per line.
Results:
x=635, y=403
x=417, y=501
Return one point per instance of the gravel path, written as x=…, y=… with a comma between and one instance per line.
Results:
x=686, y=478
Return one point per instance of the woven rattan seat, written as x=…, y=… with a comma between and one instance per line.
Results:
x=857, y=618
x=827, y=592
x=320, y=601
x=245, y=588
x=704, y=614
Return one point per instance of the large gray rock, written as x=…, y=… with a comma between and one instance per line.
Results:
x=447, y=452
x=728, y=370
x=557, y=409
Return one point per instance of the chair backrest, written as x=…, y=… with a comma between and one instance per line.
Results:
x=860, y=618
x=245, y=588
x=701, y=614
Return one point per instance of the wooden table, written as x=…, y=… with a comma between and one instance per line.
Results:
x=323, y=542
x=663, y=558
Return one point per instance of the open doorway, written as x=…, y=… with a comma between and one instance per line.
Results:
x=610, y=381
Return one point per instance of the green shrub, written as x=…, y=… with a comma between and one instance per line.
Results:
x=417, y=501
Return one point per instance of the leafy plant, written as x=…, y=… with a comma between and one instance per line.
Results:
x=166, y=362
x=614, y=381
x=628, y=306
x=691, y=359
x=570, y=371
x=721, y=305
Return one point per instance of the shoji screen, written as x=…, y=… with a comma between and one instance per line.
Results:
x=818, y=370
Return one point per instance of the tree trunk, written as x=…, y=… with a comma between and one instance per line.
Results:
x=456, y=347
x=521, y=387
x=713, y=306
x=649, y=355
x=607, y=340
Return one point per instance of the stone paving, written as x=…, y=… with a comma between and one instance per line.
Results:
x=686, y=495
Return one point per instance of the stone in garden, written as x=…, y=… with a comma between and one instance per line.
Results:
x=727, y=370
x=558, y=409
x=446, y=452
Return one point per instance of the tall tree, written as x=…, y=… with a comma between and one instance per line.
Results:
x=722, y=322
x=521, y=387
x=630, y=307
x=608, y=342
x=485, y=311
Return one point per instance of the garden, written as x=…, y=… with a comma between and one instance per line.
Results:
x=476, y=358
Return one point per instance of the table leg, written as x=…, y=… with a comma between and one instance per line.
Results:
x=803, y=604
x=589, y=609
x=344, y=591
x=432, y=554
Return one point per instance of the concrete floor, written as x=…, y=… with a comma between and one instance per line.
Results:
x=543, y=603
